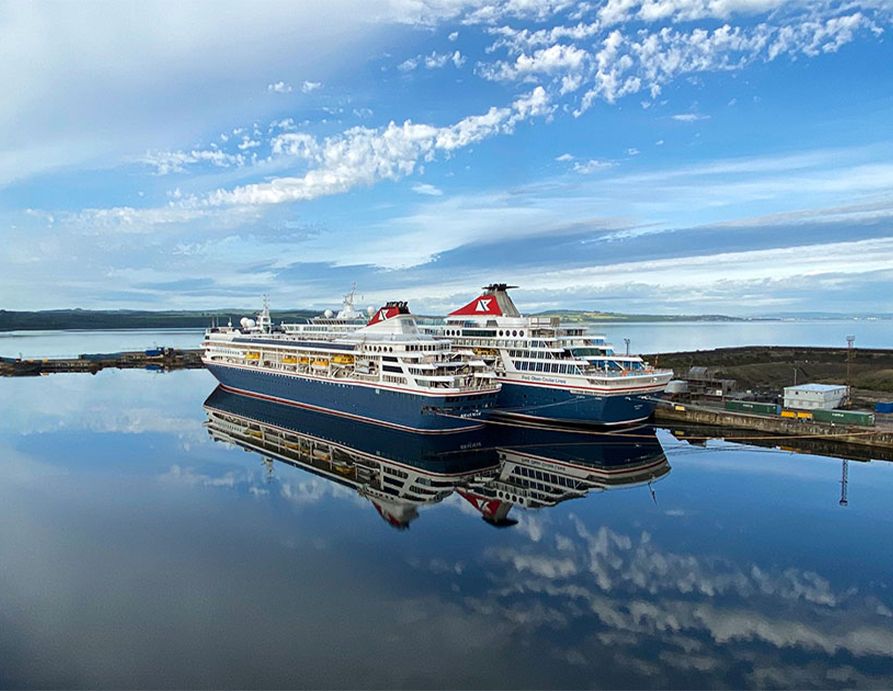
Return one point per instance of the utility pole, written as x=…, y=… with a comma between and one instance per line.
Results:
x=843, y=483
x=850, y=340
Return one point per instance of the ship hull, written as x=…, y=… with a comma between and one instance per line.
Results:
x=560, y=405
x=380, y=405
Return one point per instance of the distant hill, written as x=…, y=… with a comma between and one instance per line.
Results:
x=131, y=319
x=595, y=316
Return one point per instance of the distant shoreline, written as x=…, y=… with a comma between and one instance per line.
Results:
x=96, y=320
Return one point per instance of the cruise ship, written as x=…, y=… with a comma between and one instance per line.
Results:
x=540, y=468
x=550, y=371
x=386, y=372
x=397, y=472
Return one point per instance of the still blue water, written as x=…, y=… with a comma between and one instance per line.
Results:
x=137, y=551
x=644, y=337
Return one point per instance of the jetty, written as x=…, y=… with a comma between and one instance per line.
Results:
x=157, y=359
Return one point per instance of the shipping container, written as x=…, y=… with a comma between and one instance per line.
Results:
x=884, y=408
x=789, y=413
x=844, y=417
x=755, y=407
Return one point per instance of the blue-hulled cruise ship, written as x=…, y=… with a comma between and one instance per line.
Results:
x=386, y=372
x=494, y=469
x=551, y=371
x=398, y=472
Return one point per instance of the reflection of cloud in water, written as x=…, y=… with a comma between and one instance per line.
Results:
x=119, y=401
x=703, y=613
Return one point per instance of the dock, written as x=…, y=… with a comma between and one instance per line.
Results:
x=158, y=359
x=743, y=388
x=781, y=429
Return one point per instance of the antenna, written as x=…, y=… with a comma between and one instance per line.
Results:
x=626, y=340
x=850, y=340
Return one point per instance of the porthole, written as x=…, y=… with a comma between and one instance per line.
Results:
x=514, y=333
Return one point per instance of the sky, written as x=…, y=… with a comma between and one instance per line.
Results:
x=647, y=156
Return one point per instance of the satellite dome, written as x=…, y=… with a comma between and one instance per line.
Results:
x=248, y=323
x=328, y=314
x=370, y=310
x=243, y=322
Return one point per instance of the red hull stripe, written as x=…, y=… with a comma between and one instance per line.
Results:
x=362, y=418
x=571, y=421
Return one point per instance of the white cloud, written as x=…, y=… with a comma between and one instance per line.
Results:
x=453, y=36
x=409, y=64
x=689, y=117
x=616, y=11
x=166, y=162
x=433, y=61
x=592, y=165
x=564, y=60
x=632, y=151
x=279, y=88
x=425, y=188
x=309, y=87
x=564, y=158
x=362, y=156
x=625, y=62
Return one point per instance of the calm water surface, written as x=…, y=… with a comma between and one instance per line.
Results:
x=137, y=550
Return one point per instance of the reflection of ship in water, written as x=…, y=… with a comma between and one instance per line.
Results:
x=493, y=469
x=542, y=467
x=397, y=471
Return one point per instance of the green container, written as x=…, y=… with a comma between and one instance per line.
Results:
x=844, y=417
x=753, y=407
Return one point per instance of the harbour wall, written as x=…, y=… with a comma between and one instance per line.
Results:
x=844, y=434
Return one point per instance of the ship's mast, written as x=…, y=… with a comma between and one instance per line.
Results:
x=264, y=323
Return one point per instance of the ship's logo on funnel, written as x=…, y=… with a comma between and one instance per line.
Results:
x=484, y=304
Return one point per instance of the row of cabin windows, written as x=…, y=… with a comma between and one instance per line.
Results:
x=535, y=354
x=547, y=477
x=488, y=333
x=546, y=367
x=411, y=348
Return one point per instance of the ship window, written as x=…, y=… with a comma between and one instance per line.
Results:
x=500, y=332
x=514, y=333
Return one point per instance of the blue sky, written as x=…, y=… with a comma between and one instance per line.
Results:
x=722, y=156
